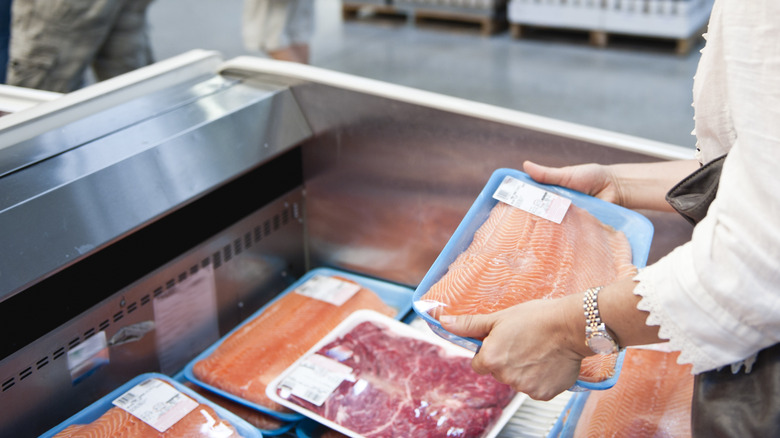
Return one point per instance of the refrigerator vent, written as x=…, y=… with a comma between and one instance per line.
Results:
x=42, y=363
x=255, y=234
x=25, y=373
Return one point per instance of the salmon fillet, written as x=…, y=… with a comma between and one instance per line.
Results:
x=516, y=257
x=652, y=398
x=250, y=358
x=251, y=416
x=203, y=422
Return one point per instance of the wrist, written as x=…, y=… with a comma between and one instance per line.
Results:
x=598, y=337
x=575, y=322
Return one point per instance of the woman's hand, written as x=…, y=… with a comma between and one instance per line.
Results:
x=535, y=347
x=592, y=179
x=632, y=185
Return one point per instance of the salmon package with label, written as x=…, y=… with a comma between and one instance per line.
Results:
x=255, y=353
x=153, y=407
x=513, y=256
x=652, y=398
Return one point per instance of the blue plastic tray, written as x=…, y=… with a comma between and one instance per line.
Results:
x=284, y=428
x=398, y=297
x=637, y=228
x=310, y=429
x=98, y=408
x=567, y=421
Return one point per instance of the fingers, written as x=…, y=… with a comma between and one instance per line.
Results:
x=472, y=326
x=538, y=172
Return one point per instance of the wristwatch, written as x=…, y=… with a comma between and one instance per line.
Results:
x=596, y=336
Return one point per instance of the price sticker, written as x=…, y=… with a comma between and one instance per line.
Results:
x=156, y=403
x=329, y=289
x=532, y=199
x=314, y=379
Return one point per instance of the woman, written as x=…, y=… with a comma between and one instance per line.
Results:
x=716, y=298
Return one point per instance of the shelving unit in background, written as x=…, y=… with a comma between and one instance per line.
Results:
x=489, y=15
x=679, y=21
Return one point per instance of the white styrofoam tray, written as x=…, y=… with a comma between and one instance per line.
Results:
x=399, y=328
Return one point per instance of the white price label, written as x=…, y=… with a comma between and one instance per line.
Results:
x=156, y=403
x=532, y=199
x=314, y=379
x=329, y=289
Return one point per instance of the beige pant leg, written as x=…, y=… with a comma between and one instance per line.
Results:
x=263, y=26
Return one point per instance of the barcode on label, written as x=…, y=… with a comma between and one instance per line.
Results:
x=314, y=379
x=502, y=194
x=156, y=403
x=126, y=399
x=532, y=199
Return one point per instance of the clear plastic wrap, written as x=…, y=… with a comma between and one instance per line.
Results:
x=376, y=377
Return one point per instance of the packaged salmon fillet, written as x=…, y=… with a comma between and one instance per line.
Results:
x=521, y=241
x=652, y=398
x=267, y=424
x=153, y=405
x=241, y=364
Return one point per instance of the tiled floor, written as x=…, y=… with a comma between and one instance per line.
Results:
x=638, y=89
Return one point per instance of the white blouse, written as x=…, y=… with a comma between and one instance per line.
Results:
x=717, y=297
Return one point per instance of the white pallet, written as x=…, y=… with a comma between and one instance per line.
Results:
x=676, y=19
x=470, y=4
x=567, y=14
x=657, y=18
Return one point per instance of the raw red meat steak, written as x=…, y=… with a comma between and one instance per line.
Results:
x=408, y=387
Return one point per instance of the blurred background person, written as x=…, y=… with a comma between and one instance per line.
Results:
x=54, y=43
x=280, y=28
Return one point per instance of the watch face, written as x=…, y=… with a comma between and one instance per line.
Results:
x=601, y=344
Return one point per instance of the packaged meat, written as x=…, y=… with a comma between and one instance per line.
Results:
x=268, y=425
x=240, y=365
x=153, y=405
x=373, y=376
x=651, y=398
x=536, y=242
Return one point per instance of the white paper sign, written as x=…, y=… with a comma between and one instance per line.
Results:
x=329, y=289
x=185, y=319
x=156, y=403
x=88, y=356
x=315, y=378
x=532, y=199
